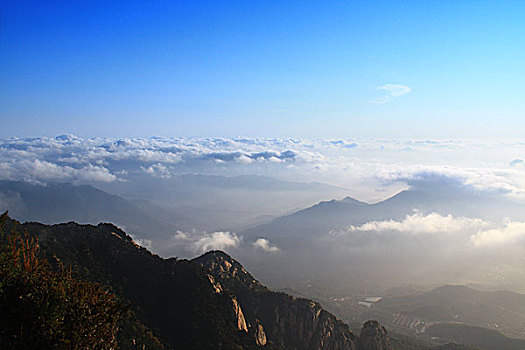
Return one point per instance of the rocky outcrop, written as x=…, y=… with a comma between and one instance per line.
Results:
x=216, y=287
x=257, y=333
x=238, y=315
x=288, y=322
x=373, y=336
x=294, y=323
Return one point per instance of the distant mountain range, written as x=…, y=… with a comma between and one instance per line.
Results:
x=64, y=202
x=214, y=203
x=369, y=243
x=156, y=208
x=338, y=214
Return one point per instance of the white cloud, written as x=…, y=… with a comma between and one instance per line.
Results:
x=264, y=244
x=217, y=241
x=391, y=91
x=94, y=173
x=512, y=232
x=46, y=170
x=419, y=223
x=42, y=171
x=190, y=243
x=157, y=170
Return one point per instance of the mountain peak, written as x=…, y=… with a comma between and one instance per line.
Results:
x=229, y=271
x=351, y=200
x=215, y=254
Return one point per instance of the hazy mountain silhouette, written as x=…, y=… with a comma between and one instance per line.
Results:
x=62, y=202
x=338, y=214
x=213, y=202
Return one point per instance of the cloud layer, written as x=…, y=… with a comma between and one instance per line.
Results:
x=422, y=224
x=456, y=231
x=373, y=169
x=511, y=233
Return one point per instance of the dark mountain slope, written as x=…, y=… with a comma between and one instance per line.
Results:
x=172, y=296
x=296, y=323
x=218, y=305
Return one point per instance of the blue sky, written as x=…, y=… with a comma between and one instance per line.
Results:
x=263, y=69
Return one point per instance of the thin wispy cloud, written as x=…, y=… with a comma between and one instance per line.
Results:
x=391, y=91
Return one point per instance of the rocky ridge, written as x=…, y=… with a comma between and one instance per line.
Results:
x=291, y=323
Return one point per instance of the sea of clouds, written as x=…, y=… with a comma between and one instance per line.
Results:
x=372, y=169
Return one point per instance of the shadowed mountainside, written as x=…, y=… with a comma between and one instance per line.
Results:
x=211, y=304
x=62, y=202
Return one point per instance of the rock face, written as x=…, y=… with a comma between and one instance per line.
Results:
x=238, y=315
x=288, y=322
x=373, y=336
x=301, y=324
x=257, y=332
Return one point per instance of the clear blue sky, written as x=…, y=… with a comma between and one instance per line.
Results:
x=262, y=68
